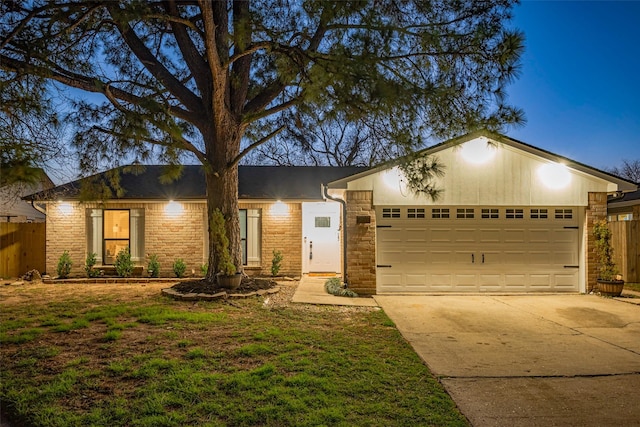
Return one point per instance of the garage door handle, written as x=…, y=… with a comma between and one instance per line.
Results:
x=473, y=259
x=383, y=266
x=571, y=266
x=483, y=258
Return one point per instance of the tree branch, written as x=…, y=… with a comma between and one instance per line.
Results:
x=151, y=63
x=261, y=141
x=86, y=83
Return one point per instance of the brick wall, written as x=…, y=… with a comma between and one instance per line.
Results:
x=597, y=210
x=65, y=231
x=281, y=230
x=170, y=236
x=177, y=235
x=361, y=243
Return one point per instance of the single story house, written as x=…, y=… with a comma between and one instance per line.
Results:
x=13, y=209
x=624, y=206
x=511, y=218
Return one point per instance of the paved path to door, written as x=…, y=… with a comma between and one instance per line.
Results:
x=553, y=360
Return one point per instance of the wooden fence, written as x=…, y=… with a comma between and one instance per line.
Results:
x=22, y=248
x=625, y=239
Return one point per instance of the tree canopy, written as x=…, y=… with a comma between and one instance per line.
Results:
x=214, y=80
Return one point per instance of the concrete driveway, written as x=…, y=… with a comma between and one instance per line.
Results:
x=552, y=360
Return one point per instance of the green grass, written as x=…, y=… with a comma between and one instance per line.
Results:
x=158, y=362
x=632, y=286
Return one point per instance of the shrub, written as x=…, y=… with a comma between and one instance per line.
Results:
x=89, y=262
x=153, y=267
x=607, y=269
x=204, y=268
x=276, y=262
x=179, y=267
x=333, y=286
x=64, y=265
x=124, y=265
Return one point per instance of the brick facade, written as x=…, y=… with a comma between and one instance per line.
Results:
x=178, y=235
x=65, y=231
x=282, y=231
x=596, y=211
x=361, y=242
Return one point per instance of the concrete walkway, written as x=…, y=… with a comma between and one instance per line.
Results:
x=311, y=291
x=552, y=360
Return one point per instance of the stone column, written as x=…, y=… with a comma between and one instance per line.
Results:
x=596, y=211
x=361, y=242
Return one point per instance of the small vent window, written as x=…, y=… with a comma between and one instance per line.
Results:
x=323, y=221
x=464, y=213
x=564, y=213
x=490, y=213
x=415, y=213
x=391, y=213
x=514, y=213
x=539, y=214
x=440, y=213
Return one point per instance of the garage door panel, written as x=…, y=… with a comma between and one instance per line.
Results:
x=565, y=280
x=515, y=282
x=441, y=235
x=440, y=257
x=464, y=235
x=540, y=281
x=446, y=254
x=515, y=235
x=416, y=280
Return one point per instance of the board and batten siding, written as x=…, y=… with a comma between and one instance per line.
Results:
x=510, y=178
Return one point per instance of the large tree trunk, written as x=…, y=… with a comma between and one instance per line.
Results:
x=222, y=192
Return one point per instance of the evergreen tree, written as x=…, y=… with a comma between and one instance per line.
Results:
x=216, y=79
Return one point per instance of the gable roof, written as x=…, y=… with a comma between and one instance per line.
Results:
x=623, y=184
x=255, y=182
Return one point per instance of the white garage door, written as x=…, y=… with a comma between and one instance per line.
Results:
x=476, y=249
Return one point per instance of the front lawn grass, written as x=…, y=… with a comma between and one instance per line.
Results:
x=105, y=361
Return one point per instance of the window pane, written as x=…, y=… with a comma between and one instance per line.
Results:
x=112, y=248
x=137, y=235
x=323, y=221
x=243, y=234
x=116, y=224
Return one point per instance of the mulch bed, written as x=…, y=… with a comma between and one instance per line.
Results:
x=248, y=285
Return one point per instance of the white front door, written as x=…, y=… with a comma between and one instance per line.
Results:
x=321, y=237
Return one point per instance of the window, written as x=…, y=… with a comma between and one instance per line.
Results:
x=564, y=213
x=250, y=236
x=512, y=213
x=440, y=213
x=111, y=230
x=323, y=222
x=415, y=213
x=490, y=213
x=391, y=213
x=464, y=213
x=539, y=214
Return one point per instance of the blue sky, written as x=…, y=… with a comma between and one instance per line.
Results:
x=580, y=79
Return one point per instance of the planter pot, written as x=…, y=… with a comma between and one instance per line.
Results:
x=611, y=288
x=229, y=282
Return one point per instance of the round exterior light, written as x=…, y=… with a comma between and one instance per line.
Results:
x=555, y=176
x=279, y=208
x=478, y=151
x=392, y=178
x=65, y=208
x=173, y=208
